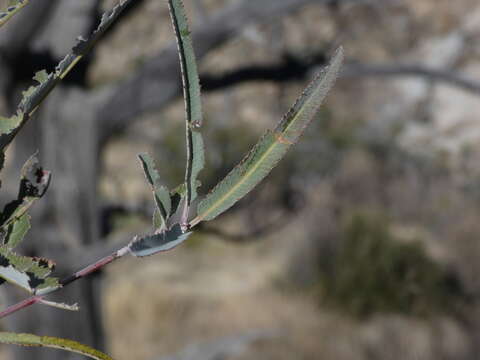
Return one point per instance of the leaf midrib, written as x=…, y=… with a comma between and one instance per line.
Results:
x=234, y=188
x=197, y=219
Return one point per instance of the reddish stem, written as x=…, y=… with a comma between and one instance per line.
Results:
x=21, y=305
x=89, y=269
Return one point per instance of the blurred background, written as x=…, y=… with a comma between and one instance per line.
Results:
x=362, y=244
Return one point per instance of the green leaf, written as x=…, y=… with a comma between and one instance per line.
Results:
x=12, y=8
x=149, y=169
x=161, y=194
x=271, y=148
x=34, y=183
x=83, y=45
x=34, y=95
x=191, y=83
x=17, y=231
x=198, y=162
x=163, y=241
x=193, y=106
x=157, y=220
x=7, y=125
x=31, y=274
x=52, y=342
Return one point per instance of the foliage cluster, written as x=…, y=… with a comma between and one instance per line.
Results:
x=176, y=210
x=373, y=271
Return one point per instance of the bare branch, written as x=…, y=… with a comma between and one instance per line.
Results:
x=293, y=68
x=267, y=228
x=39, y=298
x=438, y=75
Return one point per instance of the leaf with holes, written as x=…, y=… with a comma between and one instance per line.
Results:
x=31, y=274
x=193, y=106
x=16, y=231
x=34, y=183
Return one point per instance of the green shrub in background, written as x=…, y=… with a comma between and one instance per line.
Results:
x=373, y=271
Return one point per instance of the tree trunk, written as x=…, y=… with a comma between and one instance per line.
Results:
x=67, y=220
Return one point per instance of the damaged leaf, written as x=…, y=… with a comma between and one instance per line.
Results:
x=31, y=274
x=13, y=8
x=34, y=95
x=34, y=183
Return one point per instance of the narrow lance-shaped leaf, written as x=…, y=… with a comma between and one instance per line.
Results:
x=161, y=194
x=33, y=97
x=152, y=244
x=52, y=342
x=193, y=108
x=271, y=148
x=12, y=8
x=177, y=198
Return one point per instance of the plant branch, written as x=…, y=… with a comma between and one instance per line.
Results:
x=291, y=68
x=95, y=266
x=446, y=76
x=271, y=227
x=39, y=298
